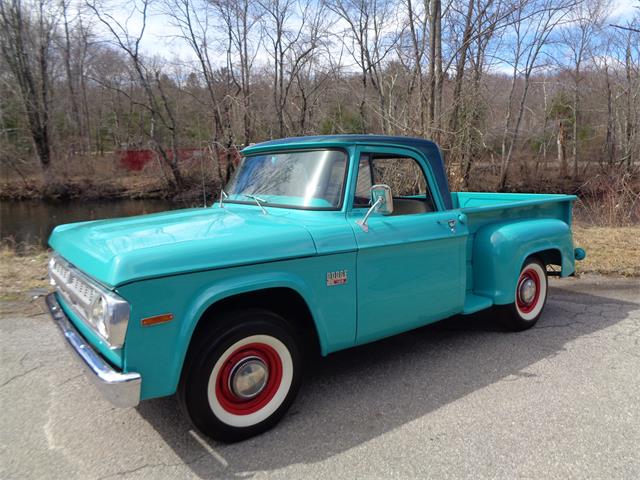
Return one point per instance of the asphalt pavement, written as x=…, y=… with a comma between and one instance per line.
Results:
x=457, y=399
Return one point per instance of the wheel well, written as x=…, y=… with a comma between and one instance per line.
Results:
x=551, y=256
x=286, y=302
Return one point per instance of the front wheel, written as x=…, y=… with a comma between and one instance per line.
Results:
x=242, y=376
x=530, y=297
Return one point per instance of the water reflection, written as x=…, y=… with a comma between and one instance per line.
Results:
x=31, y=222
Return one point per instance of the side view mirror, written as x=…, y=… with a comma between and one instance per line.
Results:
x=377, y=192
x=381, y=202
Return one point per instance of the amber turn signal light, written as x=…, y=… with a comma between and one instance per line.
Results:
x=155, y=320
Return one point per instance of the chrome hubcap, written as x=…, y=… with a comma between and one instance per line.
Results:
x=527, y=291
x=248, y=378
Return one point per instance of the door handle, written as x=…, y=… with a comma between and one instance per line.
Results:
x=450, y=223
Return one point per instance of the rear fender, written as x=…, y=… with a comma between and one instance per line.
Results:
x=499, y=252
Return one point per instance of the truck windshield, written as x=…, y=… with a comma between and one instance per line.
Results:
x=312, y=180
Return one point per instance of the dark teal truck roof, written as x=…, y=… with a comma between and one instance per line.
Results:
x=427, y=148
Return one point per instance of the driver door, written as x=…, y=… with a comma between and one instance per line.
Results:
x=410, y=264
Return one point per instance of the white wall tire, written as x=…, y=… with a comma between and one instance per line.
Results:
x=535, y=273
x=224, y=397
x=530, y=297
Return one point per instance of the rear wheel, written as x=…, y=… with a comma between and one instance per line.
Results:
x=530, y=297
x=242, y=376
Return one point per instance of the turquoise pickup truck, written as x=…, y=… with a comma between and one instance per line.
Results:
x=317, y=244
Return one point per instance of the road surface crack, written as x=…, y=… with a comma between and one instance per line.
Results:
x=20, y=375
x=124, y=473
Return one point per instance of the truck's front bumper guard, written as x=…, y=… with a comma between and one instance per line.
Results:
x=121, y=389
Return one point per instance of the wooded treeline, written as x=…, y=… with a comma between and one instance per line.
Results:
x=511, y=87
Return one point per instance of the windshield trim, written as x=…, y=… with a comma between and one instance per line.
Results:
x=300, y=207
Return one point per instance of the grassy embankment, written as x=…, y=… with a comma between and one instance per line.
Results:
x=610, y=251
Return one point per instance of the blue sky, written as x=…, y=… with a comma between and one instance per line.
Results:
x=160, y=36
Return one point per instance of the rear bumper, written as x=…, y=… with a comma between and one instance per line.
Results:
x=121, y=389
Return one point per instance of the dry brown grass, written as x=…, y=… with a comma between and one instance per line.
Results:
x=21, y=273
x=610, y=250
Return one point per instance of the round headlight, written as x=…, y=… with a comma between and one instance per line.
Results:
x=98, y=314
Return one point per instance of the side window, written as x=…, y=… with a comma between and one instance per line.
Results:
x=335, y=181
x=364, y=183
x=405, y=177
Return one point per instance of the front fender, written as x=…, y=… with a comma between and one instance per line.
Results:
x=500, y=250
x=158, y=351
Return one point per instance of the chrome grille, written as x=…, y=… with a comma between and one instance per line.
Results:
x=79, y=292
x=73, y=286
x=82, y=290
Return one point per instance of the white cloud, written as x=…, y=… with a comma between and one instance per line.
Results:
x=624, y=9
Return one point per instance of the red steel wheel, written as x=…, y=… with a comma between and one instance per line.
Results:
x=528, y=290
x=249, y=379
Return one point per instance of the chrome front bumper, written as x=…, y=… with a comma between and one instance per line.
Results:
x=121, y=389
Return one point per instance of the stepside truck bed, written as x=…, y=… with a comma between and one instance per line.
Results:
x=497, y=224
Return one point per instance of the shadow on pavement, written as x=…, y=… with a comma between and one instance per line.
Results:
x=354, y=396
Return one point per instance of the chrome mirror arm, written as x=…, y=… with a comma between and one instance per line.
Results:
x=373, y=208
x=223, y=194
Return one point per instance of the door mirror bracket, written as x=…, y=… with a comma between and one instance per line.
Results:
x=381, y=202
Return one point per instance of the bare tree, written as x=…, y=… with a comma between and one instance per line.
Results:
x=435, y=70
x=417, y=25
x=310, y=83
x=474, y=112
x=160, y=110
x=293, y=32
x=71, y=77
x=481, y=20
x=194, y=23
x=370, y=38
x=26, y=32
x=532, y=24
x=630, y=43
x=241, y=21
x=586, y=18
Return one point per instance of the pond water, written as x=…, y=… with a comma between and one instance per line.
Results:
x=31, y=222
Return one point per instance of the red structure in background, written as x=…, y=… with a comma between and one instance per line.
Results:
x=136, y=160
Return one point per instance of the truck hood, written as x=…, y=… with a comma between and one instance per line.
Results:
x=123, y=250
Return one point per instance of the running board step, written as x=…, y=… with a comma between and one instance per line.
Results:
x=475, y=303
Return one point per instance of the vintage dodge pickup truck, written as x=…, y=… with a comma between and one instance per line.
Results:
x=317, y=244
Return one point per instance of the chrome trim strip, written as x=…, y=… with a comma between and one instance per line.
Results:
x=121, y=389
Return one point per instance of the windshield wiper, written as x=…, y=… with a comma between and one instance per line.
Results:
x=259, y=201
